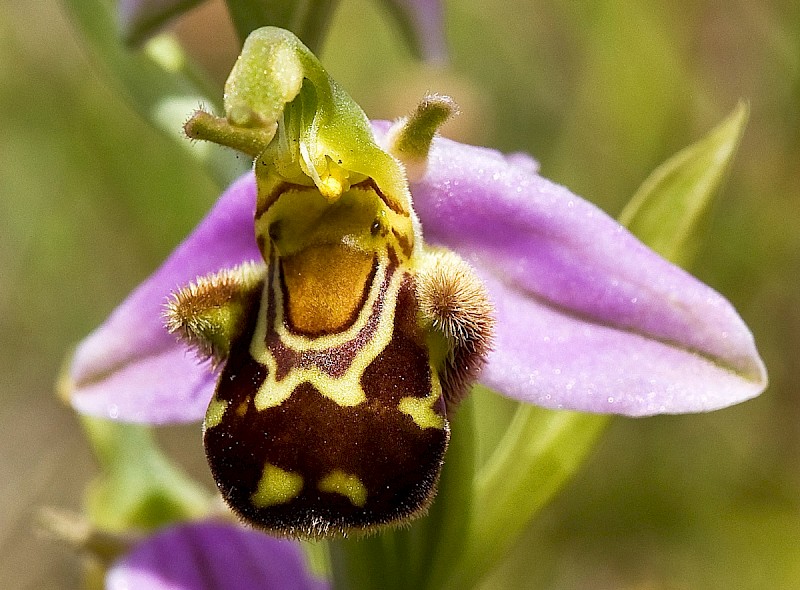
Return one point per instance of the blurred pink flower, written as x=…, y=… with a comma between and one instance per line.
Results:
x=212, y=556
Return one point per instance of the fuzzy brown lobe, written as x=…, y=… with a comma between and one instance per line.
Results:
x=195, y=311
x=455, y=302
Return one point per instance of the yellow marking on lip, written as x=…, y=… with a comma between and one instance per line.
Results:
x=345, y=391
x=421, y=408
x=301, y=342
x=349, y=486
x=276, y=487
x=215, y=412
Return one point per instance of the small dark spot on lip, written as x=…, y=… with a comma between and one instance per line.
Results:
x=275, y=231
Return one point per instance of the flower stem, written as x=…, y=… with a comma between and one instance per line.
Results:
x=308, y=19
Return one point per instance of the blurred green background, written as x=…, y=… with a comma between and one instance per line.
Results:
x=92, y=199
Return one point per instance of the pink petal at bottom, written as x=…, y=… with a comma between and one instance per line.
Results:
x=212, y=556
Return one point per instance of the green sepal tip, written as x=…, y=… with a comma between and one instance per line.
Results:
x=415, y=133
x=411, y=137
x=668, y=209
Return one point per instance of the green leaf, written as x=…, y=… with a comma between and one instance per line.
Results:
x=541, y=450
x=668, y=208
x=138, y=487
x=159, y=82
x=308, y=20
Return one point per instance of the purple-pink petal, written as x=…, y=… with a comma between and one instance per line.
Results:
x=212, y=556
x=131, y=368
x=588, y=317
x=549, y=357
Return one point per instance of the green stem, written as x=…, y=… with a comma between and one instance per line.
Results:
x=138, y=486
x=446, y=527
x=308, y=19
x=361, y=563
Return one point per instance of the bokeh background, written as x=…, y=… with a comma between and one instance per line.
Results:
x=92, y=199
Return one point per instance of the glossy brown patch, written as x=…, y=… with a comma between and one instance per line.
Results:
x=403, y=364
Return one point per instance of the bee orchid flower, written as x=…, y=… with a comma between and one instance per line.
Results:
x=587, y=317
x=348, y=288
